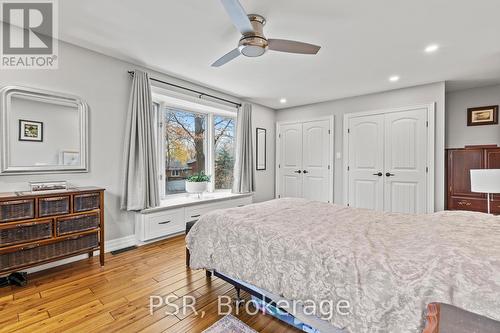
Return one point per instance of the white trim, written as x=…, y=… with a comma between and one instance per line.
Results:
x=431, y=118
x=431, y=156
x=191, y=103
x=331, y=151
x=111, y=245
x=119, y=243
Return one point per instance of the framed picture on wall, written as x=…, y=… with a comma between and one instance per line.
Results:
x=484, y=115
x=30, y=130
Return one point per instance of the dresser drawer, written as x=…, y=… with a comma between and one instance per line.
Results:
x=193, y=213
x=164, y=223
x=87, y=201
x=25, y=232
x=77, y=223
x=495, y=207
x=38, y=252
x=53, y=206
x=478, y=205
x=14, y=210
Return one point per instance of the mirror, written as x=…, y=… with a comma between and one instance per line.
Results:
x=261, y=149
x=42, y=132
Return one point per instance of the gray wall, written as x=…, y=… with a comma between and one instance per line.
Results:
x=458, y=134
x=104, y=84
x=424, y=94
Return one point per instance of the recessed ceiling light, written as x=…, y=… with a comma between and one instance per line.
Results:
x=394, y=78
x=431, y=48
x=283, y=100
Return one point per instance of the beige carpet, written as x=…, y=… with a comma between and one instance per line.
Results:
x=229, y=324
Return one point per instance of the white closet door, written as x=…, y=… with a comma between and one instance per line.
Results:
x=366, y=162
x=406, y=161
x=316, y=159
x=290, y=171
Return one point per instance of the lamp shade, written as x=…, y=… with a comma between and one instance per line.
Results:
x=485, y=180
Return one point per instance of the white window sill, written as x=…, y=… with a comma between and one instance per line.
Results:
x=192, y=199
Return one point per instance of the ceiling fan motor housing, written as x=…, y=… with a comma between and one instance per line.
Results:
x=254, y=44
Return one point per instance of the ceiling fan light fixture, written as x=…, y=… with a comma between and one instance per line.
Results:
x=252, y=50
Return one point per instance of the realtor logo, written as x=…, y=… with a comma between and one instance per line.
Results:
x=29, y=34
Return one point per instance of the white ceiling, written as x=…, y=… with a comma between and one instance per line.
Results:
x=363, y=43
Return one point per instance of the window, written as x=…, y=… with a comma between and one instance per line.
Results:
x=185, y=147
x=224, y=152
x=193, y=142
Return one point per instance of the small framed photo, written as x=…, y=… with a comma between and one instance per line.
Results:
x=70, y=157
x=484, y=115
x=30, y=130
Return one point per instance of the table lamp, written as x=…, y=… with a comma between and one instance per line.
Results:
x=485, y=181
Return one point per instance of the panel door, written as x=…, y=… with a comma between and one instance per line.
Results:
x=460, y=162
x=316, y=160
x=405, y=156
x=366, y=162
x=492, y=159
x=290, y=171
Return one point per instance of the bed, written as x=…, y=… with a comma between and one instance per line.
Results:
x=388, y=266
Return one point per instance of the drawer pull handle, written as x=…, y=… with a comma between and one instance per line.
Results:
x=194, y=216
x=17, y=202
x=30, y=247
x=54, y=199
x=165, y=222
x=241, y=205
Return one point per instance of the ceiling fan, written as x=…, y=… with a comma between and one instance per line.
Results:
x=253, y=43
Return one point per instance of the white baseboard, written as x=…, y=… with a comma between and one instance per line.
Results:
x=111, y=245
x=119, y=243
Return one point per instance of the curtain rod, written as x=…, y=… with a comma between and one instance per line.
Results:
x=200, y=93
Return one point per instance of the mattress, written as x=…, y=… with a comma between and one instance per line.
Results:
x=387, y=266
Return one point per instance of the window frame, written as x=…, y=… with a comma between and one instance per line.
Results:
x=209, y=144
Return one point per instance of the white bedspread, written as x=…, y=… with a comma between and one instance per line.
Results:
x=388, y=266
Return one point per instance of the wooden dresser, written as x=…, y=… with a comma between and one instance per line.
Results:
x=41, y=228
x=459, y=163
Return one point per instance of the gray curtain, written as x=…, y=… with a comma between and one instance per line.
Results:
x=140, y=187
x=244, y=173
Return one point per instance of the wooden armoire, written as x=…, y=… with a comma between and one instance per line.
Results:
x=459, y=163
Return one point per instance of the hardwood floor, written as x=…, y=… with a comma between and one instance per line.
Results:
x=84, y=297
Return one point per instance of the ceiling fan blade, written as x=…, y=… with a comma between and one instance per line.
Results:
x=291, y=46
x=238, y=16
x=227, y=58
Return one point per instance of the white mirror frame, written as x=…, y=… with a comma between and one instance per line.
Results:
x=43, y=96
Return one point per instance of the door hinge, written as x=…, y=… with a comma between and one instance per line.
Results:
x=427, y=124
x=328, y=167
x=161, y=177
x=348, y=205
x=279, y=196
x=427, y=169
x=348, y=130
x=348, y=168
x=329, y=131
x=279, y=135
x=279, y=166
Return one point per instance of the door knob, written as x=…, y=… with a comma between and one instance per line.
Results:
x=305, y=171
x=380, y=174
x=298, y=171
x=388, y=174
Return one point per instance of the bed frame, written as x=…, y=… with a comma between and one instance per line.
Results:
x=323, y=326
